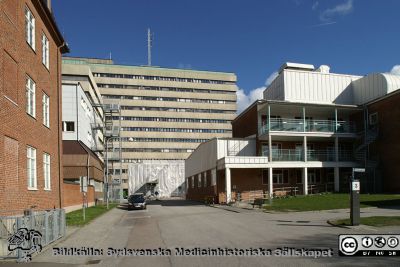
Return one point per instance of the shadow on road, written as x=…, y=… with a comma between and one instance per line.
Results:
x=174, y=202
x=387, y=204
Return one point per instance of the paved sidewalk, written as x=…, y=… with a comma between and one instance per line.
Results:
x=105, y=231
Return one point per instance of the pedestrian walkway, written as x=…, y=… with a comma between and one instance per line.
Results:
x=105, y=231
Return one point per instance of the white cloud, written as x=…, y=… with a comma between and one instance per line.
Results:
x=243, y=100
x=339, y=10
x=271, y=78
x=315, y=5
x=395, y=70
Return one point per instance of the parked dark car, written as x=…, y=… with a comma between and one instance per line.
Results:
x=137, y=201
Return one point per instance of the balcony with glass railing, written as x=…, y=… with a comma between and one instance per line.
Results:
x=299, y=125
x=312, y=155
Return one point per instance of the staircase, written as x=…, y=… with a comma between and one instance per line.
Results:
x=360, y=153
x=233, y=148
x=371, y=165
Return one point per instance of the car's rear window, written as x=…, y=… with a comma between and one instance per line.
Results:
x=136, y=198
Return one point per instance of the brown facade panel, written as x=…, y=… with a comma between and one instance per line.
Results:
x=246, y=124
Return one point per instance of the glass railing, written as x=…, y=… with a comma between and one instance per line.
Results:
x=298, y=125
x=312, y=155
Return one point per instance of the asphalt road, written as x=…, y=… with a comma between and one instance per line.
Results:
x=171, y=224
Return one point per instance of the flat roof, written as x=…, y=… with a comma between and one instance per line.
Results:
x=84, y=61
x=280, y=102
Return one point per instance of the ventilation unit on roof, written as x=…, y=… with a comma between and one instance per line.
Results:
x=323, y=69
x=296, y=66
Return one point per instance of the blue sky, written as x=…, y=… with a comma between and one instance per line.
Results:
x=251, y=38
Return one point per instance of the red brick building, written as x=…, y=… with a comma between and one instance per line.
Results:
x=30, y=104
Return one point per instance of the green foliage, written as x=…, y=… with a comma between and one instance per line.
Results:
x=377, y=221
x=331, y=201
x=75, y=218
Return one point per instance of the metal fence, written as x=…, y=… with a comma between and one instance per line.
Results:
x=50, y=224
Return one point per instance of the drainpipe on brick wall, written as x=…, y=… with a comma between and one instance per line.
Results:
x=58, y=124
x=88, y=177
x=77, y=112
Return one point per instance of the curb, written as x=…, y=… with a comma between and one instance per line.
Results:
x=337, y=225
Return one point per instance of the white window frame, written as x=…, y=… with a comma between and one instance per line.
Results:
x=46, y=110
x=31, y=169
x=45, y=51
x=64, y=127
x=30, y=28
x=46, y=171
x=30, y=97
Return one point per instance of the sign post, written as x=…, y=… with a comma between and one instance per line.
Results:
x=83, y=182
x=355, y=197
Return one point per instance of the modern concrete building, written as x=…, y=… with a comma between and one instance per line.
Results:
x=83, y=139
x=165, y=113
x=305, y=137
x=30, y=107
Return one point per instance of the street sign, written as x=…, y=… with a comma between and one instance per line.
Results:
x=83, y=182
x=355, y=185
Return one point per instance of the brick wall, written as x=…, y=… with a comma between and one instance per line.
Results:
x=387, y=146
x=249, y=183
x=18, y=129
x=73, y=198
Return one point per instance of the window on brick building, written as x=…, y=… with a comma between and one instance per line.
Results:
x=280, y=176
x=192, y=181
x=46, y=110
x=31, y=167
x=30, y=28
x=265, y=176
x=46, y=171
x=45, y=51
x=205, y=179
x=199, y=180
x=30, y=96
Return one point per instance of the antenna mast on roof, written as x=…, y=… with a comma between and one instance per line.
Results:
x=149, y=46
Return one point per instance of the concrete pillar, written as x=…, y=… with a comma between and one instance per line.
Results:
x=305, y=181
x=270, y=183
x=305, y=148
x=269, y=147
x=336, y=120
x=228, y=187
x=269, y=117
x=336, y=175
x=336, y=149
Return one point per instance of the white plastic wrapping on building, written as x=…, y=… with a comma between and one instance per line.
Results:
x=167, y=175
